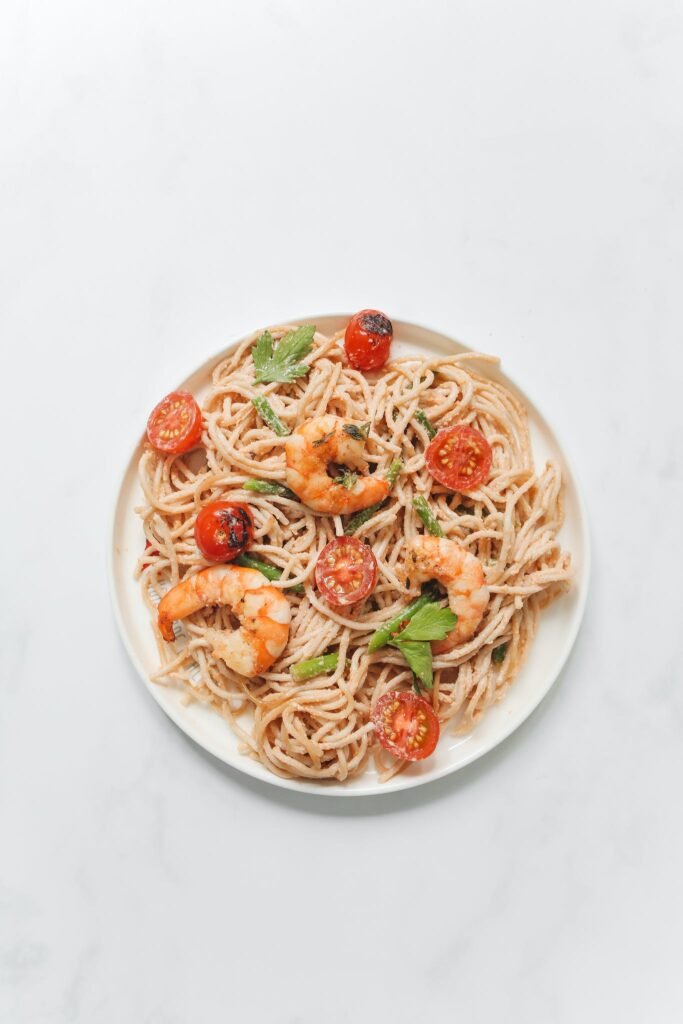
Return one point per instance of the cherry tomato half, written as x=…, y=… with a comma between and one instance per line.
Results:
x=368, y=339
x=406, y=725
x=175, y=424
x=223, y=530
x=459, y=458
x=346, y=571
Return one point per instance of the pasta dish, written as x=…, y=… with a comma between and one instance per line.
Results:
x=346, y=554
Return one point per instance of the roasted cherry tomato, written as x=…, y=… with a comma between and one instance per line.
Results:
x=406, y=725
x=459, y=458
x=175, y=424
x=223, y=530
x=346, y=571
x=368, y=339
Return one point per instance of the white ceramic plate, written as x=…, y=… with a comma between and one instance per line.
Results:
x=559, y=623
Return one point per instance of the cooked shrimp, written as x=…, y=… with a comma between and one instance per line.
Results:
x=461, y=573
x=309, y=452
x=263, y=612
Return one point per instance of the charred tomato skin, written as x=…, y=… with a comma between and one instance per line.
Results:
x=368, y=339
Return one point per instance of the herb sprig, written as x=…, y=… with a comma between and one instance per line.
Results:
x=347, y=480
x=414, y=641
x=357, y=433
x=282, y=363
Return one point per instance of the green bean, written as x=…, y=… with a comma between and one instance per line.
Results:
x=315, y=666
x=269, y=416
x=271, y=572
x=360, y=518
x=386, y=632
x=394, y=472
x=427, y=516
x=422, y=418
x=269, y=487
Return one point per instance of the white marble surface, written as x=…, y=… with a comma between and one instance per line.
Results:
x=171, y=174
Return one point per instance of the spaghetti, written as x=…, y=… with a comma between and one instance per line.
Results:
x=321, y=728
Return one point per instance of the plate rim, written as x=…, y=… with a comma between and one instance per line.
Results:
x=254, y=769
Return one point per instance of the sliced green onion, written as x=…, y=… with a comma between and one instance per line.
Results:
x=315, y=667
x=422, y=418
x=360, y=518
x=427, y=516
x=269, y=416
x=271, y=572
x=394, y=626
x=269, y=487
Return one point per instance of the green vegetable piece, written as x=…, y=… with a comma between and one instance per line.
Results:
x=498, y=653
x=271, y=572
x=427, y=516
x=394, y=626
x=422, y=418
x=360, y=518
x=262, y=351
x=269, y=487
x=269, y=416
x=282, y=362
x=394, y=471
x=357, y=433
x=419, y=657
x=428, y=623
x=347, y=480
x=315, y=667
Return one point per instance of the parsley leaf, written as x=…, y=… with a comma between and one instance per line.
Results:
x=419, y=658
x=347, y=480
x=263, y=349
x=357, y=433
x=282, y=363
x=429, y=623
